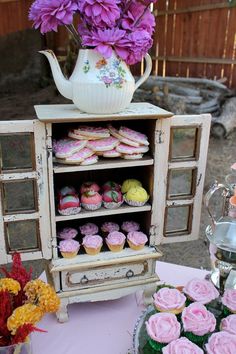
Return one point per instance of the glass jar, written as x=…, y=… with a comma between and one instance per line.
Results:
x=21, y=348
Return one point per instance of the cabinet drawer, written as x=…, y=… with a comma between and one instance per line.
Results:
x=95, y=276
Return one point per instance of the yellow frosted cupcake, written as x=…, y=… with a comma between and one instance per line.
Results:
x=136, y=196
x=130, y=183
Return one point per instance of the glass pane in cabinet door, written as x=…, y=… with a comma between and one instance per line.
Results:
x=181, y=183
x=184, y=144
x=177, y=220
x=19, y=197
x=22, y=235
x=17, y=152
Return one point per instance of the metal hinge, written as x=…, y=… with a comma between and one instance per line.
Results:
x=159, y=137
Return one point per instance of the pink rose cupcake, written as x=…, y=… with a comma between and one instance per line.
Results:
x=229, y=300
x=182, y=346
x=136, y=240
x=108, y=227
x=92, y=244
x=69, y=205
x=67, y=233
x=69, y=248
x=91, y=200
x=115, y=241
x=228, y=324
x=112, y=199
x=198, y=322
x=201, y=290
x=89, y=186
x=221, y=343
x=129, y=226
x=169, y=300
x=110, y=185
x=162, y=328
x=88, y=229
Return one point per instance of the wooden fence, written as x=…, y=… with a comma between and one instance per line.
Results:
x=196, y=38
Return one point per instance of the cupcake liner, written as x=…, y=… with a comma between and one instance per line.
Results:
x=92, y=251
x=69, y=211
x=91, y=207
x=135, y=247
x=134, y=203
x=115, y=248
x=69, y=254
x=112, y=205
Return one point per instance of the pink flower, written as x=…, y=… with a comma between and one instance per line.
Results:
x=169, y=300
x=221, y=343
x=228, y=324
x=163, y=327
x=229, y=299
x=130, y=20
x=201, y=290
x=49, y=14
x=100, y=13
x=198, y=320
x=182, y=346
x=148, y=2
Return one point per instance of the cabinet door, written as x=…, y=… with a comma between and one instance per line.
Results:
x=180, y=163
x=24, y=206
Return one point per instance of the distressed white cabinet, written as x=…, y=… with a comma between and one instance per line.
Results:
x=172, y=171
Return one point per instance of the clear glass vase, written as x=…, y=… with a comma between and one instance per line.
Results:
x=21, y=348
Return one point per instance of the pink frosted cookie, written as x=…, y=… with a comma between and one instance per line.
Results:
x=88, y=229
x=129, y=226
x=77, y=157
x=136, y=240
x=111, y=153
x=114, y=132
x=105, y=144
x=67, y=233
x=93, y=132
x=90, y=160
x=66, y=147
x=89, y=186
x=133, y=135
x=132, y=157
x=73, y=135
x=130, y=150
x=92, y=244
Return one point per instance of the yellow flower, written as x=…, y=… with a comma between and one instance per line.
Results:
x=42, y=295
x=27, y=313
x=9, y=284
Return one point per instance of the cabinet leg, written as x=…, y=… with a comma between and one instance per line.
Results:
x=148, y=293
x=62, y=313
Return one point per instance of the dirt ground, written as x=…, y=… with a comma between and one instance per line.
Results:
x=222, y=153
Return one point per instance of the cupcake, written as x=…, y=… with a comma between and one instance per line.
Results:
x=201, y=290
x=228, y=324
x=69, y=205
x=69, y=248
x=169, y=300
x=67, y=190
x=92, y=244
x=115, y=241
x=162, y=328
x=88, y=229
x=229, y=301
x=89, y=186
x=136, y=240
x=130, y=183
x=91, y=200
x=67, y=233
x=112, y=199
x=198, y=322
x=182, y=346
x=128, y=226
x=108, y=227
x=221, y=343
x=110, y=185
x=136, y=196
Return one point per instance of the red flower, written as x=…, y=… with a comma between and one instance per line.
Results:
x=23, y=332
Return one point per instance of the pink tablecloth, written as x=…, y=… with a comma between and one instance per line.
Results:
x=103, y=327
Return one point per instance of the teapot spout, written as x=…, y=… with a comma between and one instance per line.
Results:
x=63, y=85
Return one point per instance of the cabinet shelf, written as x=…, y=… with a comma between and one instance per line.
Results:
x=103, y=164
x=104, y=212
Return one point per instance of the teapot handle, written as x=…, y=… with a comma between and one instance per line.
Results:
x=147, y=71
x=225, y=193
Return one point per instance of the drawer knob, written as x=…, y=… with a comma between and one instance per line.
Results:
x=84, y=280
x=129, y=274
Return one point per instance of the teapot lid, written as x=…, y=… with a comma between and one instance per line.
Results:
x=224, y=234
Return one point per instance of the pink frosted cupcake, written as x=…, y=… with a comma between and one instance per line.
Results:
x=88, y=229
x=169, y=300
x=201, y=290
x=228, y=324
x=182, y=346
x=129, y=226
x=108, y=227
x=229, y=300
x=115, y=241
x=92, y=244
x=136, y=240
x=67, y=190
x=69, y=205
x=89, y=186
x=112, y=199
x=221, y=343
x=91, y=200
x=110, y=185
x=69, y=248
x=67, y=233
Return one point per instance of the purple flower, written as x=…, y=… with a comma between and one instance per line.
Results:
x=133, y=18
x=100, y=13
x=104, y=40
x=148, y=2
x=49, y=14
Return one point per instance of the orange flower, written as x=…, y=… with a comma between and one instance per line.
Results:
x=27, y=313
x=10, y=285
x=101, y=63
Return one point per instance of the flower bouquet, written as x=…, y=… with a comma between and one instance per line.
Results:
x=193, y=319
x=23, y=303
